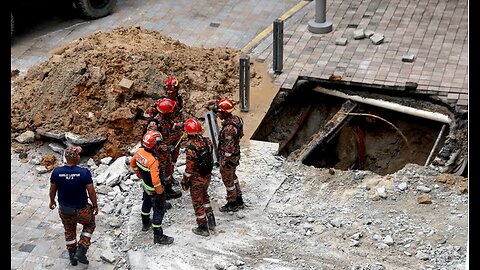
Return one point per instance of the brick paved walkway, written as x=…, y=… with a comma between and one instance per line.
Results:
x=435, y=31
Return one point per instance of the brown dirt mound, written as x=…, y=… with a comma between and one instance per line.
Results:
x=77, y=90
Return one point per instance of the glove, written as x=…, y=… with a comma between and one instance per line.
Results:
x=185, y=183
x=178, y=125
x=170, y=148
x=214, y=107
x=137, y=173
x=159, y=190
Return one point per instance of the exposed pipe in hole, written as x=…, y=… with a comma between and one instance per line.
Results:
x=435, y=145
x=360, y=142
x=391, y=124
x=388, y=105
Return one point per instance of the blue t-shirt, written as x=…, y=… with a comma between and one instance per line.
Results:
x=71, y=183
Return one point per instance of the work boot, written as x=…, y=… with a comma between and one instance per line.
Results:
x=80, y=255
x=240, y=203
x=146, y=223
x=71, y=254
x=160, y=238
x=174, y=181
x=163, y=240
x=211, y=220
x=172, y=194
x=168, y=206
x=202, y=230
x=229, y=207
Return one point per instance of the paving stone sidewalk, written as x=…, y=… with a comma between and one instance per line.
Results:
x=434, y=32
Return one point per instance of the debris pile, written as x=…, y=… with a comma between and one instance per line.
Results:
x=96, y=88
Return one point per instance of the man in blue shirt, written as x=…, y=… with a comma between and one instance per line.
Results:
x=72, y=184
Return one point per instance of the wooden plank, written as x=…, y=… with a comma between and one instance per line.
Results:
x=330, y=129
x=300, y=122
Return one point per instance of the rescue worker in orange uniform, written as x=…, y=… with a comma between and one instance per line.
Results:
x=171, y=91
x=168, y=128
x=229, y=152
x=145, y=165
x=162, y=153
x=197, y=176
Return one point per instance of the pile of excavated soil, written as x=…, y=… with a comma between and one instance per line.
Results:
x=77, y=90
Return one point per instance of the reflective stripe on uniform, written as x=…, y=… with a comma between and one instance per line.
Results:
x=143, y=167
x=147, y=187
x=201, y=216
x=145, y=214
x=231, y=188
x=228, y=154
x=187, y=174
x=89, y=235
x=207, y=205
x=235, y=181
x=157, y=185
x=156, y=226
x=71, y=242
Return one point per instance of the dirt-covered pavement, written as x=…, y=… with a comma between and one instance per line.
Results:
x=297, y=217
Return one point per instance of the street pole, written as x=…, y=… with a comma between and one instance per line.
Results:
x=320, y=25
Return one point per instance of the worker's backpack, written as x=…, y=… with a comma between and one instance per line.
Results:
x=203, y=158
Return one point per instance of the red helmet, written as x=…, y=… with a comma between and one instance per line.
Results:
x=151, y=138
x=171, y=85
x=165, y=105
x=193, y=126
x=225, y=105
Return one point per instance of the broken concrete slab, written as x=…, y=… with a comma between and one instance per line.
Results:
x=106, y=160
x=377, y=39
x=108, y=256
x=359, y=34
x=58, y=135
x=368, y=33
x=91, y=163
x=35, y=160
x=107, y=208
x=79, y=140
x=114, y=173
x=41, y=169
x=57, y=147
x=341, y=41
x=103, y=189
x=100, y=169
x=26, y=137
x=409, y=58
x=125, y=83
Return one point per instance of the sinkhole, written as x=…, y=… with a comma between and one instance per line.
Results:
x=328, y=124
